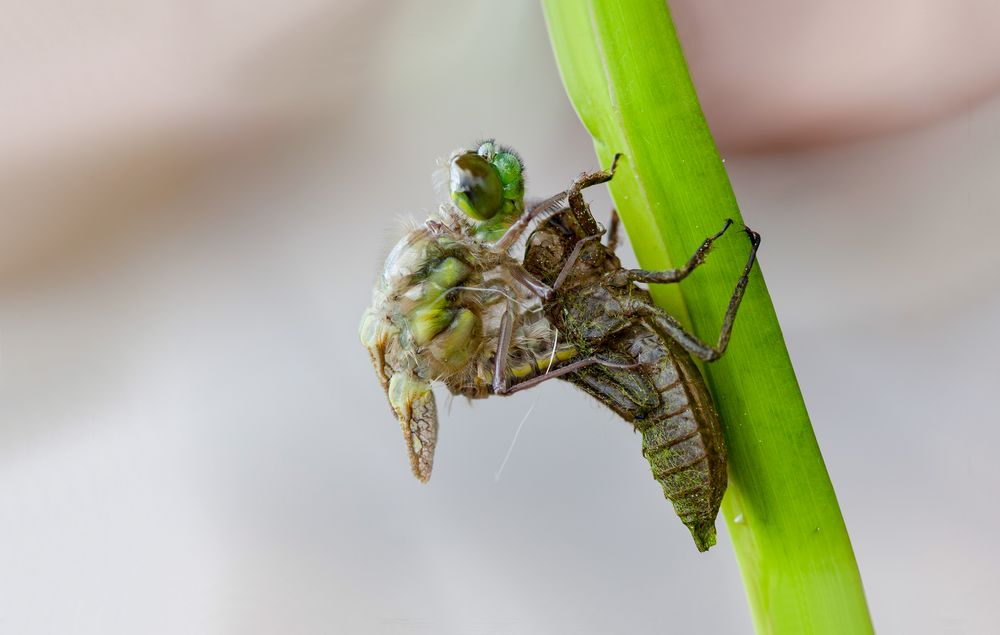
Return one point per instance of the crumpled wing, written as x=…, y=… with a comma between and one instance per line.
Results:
x=413, y=402
x=411, y=397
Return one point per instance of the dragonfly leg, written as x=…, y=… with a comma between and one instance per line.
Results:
x=530, y=281
x=552, y=203
x=500, y=384
x=575, y=197
x=669, y=325
x=572, y=367
x=503, y=351
x=514, y=232
x=665, y=276
x=614, y=224
x=571, y=260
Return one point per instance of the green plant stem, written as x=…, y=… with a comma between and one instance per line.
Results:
x=625, y=73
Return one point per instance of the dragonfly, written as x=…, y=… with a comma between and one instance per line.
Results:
x=454, y=305
x=451, y=294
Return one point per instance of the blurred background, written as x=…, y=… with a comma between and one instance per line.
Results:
x=196, y=197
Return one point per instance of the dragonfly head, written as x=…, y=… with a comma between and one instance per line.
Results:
x=487, y=185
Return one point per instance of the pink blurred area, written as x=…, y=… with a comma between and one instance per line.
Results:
x=780, y=74
x=110, y=101
x=195, y=198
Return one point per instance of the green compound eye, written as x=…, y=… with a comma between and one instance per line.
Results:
x=476, y=186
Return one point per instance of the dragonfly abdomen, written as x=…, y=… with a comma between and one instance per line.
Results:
x=681, y=437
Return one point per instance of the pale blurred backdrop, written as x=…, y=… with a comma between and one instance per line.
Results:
x=195, y=199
